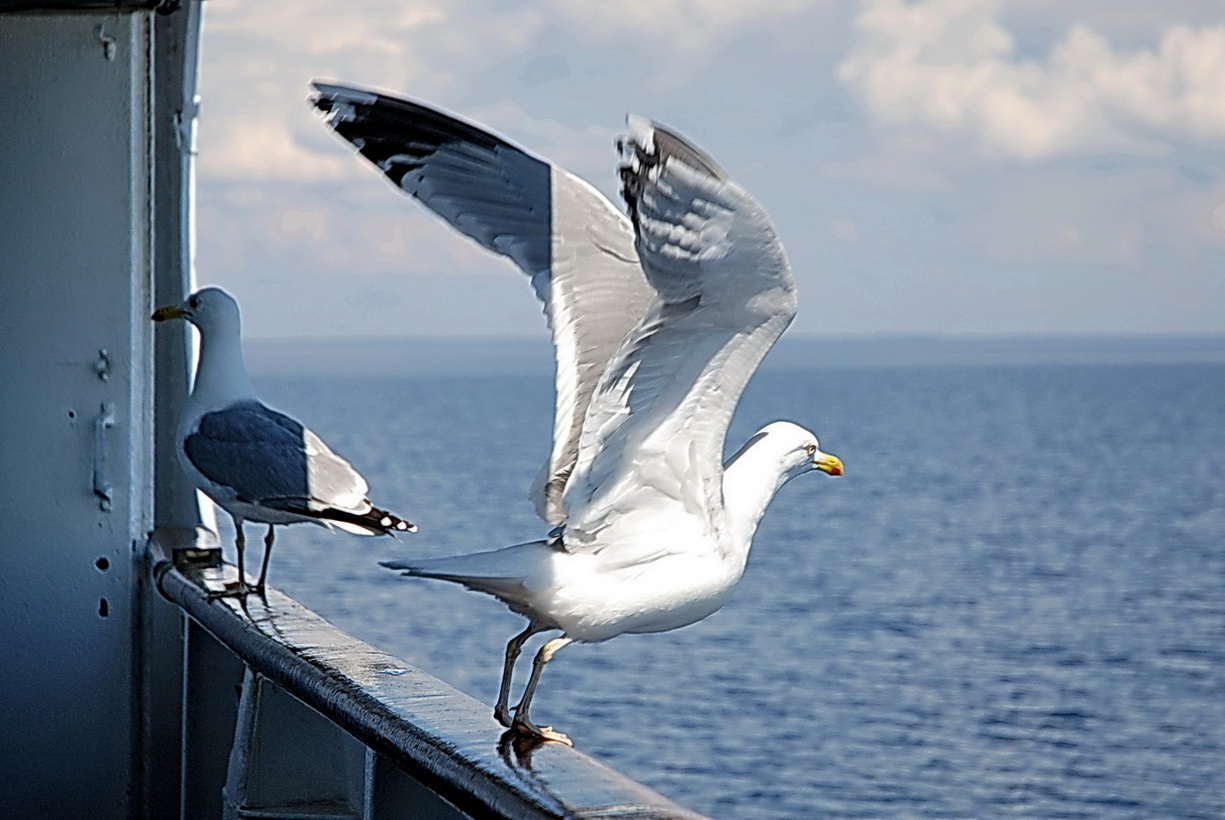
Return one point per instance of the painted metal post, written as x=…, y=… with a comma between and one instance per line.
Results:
x=289, y=761
x=75, y=448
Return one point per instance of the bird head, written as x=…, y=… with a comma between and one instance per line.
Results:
x=206, y=309
x=797, y=449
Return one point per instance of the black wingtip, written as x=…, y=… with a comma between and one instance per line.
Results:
x=374, y=521
x=394, y=133
x=386, y=522
x=648, y=145
x=329, y=93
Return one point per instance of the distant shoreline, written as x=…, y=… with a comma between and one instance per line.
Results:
x=399, y=356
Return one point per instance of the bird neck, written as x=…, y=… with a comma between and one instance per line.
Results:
x=221, y=373
x=750, y=480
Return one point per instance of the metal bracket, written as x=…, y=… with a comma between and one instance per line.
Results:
x=107, y=41
x=185, y=124
x=102, y=484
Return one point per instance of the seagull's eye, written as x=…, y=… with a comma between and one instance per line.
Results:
x=193, y=303
x=811, y=449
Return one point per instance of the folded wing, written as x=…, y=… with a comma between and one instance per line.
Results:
x=267, y=458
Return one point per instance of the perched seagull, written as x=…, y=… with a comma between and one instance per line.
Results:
x=257, y=464
x=658, y=321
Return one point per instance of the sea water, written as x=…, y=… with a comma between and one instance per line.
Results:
x=1012, y=603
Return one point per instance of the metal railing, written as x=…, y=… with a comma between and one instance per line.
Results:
x=284, y=715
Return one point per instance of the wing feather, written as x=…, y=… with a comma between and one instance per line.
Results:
x=656, y=427
x=577, y=248
x=268, y=458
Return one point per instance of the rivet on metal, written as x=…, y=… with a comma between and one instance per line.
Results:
x=102, y=366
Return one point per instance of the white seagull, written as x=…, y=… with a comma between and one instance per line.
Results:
x=257, y=464
x=658, y=321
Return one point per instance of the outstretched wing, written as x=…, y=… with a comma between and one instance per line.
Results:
x=576, y=247
x=655, y=431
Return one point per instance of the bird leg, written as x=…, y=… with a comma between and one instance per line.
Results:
x=522, y=723
x=263, y=572
x=513, y=648
x=240, y=588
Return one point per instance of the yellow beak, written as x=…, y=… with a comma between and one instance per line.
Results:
x=168, y=312
x=832, y=465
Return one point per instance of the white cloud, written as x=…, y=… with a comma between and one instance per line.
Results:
x=689, y=25
x=471, y=56
x=898, y=214
x=953, y=64
x=259, y=59
x=263, y=148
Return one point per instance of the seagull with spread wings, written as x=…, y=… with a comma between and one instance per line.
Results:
x=659, y=319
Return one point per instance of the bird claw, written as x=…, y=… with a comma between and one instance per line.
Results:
x=233, y=589
x=540, y=733
x=229, y=593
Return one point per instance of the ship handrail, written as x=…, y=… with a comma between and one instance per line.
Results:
x=438, y=736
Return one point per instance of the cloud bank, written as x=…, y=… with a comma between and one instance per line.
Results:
x=954, y=66
x=949, y=166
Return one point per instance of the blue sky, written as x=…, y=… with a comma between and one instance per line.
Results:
x=933, y=166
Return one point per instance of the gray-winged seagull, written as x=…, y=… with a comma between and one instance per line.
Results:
x=658, y=321
x=256, y=463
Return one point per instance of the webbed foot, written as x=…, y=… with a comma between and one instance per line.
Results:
x=233, y=589
x=542, y=733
